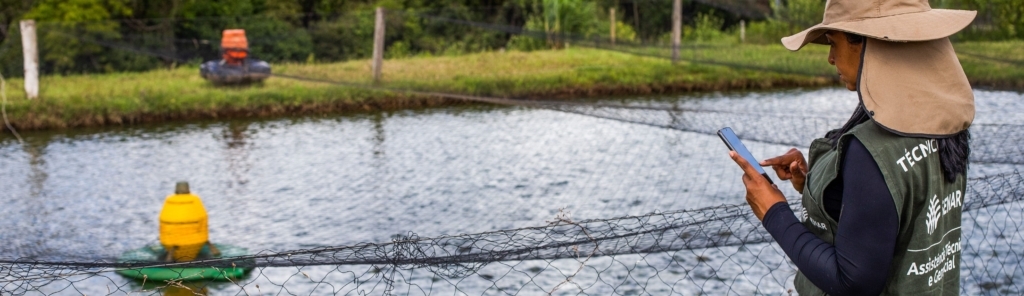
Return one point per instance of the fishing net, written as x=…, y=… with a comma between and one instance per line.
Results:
x=720, y=250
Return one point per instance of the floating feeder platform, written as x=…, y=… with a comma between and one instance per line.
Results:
x=156, y=254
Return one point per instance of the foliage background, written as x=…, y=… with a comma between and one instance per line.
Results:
x=339, y=30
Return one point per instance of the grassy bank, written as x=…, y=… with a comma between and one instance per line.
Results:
x=160, y=95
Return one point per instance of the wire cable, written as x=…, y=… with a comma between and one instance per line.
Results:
x=3, y=108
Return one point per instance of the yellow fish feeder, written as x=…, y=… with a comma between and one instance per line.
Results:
x=184, y=236
x=183, y=225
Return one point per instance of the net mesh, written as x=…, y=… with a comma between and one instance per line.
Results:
x=720, y=249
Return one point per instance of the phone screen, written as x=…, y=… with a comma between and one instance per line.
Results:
x=734, y=144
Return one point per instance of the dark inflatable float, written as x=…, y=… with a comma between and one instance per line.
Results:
x=236, y=67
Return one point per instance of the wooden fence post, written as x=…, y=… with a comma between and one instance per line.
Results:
x=743, y=31
x=29, y=48
x=378, y=44
x=611, y=13
x=677, y=28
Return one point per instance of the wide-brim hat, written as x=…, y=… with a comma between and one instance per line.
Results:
x=910, y=81
x=901, y=20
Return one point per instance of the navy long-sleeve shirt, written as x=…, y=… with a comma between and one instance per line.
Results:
x=858, y=262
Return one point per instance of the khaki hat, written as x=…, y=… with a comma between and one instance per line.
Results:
x=890, y=20
x=911, y=81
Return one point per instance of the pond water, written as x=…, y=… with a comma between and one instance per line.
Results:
x=294, y=183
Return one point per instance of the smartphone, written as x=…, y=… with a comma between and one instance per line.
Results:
x=734, y=144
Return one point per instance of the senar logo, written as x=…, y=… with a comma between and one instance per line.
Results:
x=933, y=214
x=936, y=210
x=815, y=223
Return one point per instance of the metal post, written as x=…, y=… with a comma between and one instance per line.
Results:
x=28, y=45
x=378, y=44
x=611, y=13
x=677, y=28
x=743, y=31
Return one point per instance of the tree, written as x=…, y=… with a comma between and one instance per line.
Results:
x=559, y=20
x=63, y=24
x=997, y=19
x=10, y=13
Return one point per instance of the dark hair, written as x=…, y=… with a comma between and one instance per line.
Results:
x=853, y=38
x=953, y=151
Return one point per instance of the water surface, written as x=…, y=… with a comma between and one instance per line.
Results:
x=303, y=182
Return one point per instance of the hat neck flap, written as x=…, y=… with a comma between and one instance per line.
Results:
x=915, y=89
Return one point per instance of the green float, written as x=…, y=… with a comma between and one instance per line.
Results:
x=155, y=254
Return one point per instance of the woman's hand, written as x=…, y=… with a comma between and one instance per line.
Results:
x=790, y=166
x=761, y=195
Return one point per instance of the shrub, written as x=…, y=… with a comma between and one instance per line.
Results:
x=707, y=28
x=348, y=37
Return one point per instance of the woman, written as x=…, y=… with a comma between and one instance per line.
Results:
x=881, y=195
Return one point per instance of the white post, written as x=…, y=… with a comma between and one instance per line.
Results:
x=677, y=28
x=743, y=31
x=612, y=14
x=28, y=47
x=378, y=44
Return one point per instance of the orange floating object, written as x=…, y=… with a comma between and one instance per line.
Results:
x=235, y=65
x=235, y=46
x=235, y=39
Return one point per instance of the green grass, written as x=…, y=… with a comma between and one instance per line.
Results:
x=811, y=60
x=996, y=64
x=159, y=95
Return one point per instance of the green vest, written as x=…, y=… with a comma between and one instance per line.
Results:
x=927, y=256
